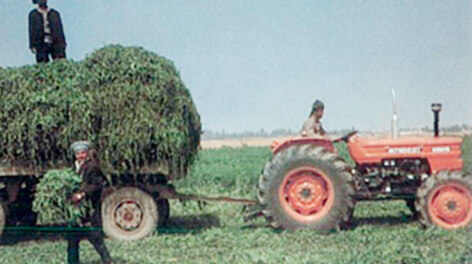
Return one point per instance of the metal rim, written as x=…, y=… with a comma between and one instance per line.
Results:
x=306, y=194
x=128, y=215
x=449, y=205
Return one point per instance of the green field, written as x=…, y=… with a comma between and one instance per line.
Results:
x=384, y=232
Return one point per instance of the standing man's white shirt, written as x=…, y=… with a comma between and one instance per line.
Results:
x=47, y=29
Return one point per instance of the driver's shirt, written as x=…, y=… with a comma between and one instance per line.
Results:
x=312, y=127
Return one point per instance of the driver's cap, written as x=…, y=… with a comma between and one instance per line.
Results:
x=80, y=145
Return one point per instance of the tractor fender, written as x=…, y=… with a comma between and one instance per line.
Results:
x=322, y=141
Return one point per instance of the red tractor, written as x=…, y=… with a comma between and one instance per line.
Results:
x=306, y=185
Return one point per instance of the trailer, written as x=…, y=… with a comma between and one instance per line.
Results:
x=133, y=204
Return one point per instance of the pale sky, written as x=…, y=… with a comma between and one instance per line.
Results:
x=253, y=65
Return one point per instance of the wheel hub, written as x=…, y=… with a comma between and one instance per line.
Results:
x=305, y=191
x=451, y=204
x=128, y=215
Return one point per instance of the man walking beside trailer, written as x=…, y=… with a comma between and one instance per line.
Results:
x=46, y=33
x=313, y=126
x=91, y=188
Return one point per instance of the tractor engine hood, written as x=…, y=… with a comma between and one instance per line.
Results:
x=442, y=153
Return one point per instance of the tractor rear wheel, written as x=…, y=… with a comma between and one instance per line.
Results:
x=444, y=200
x=129, y=214
x=307, y=187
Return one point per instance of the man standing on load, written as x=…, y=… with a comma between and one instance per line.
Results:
x=46, y=33
x=91, y=188
x=312, y=126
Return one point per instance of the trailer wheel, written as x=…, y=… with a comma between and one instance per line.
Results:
x=163, y=212
x=129, y=214
x=444, y=200
x=307, y=187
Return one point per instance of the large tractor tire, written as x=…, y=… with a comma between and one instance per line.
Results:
x=444, y=200
x=307, y=187
x=163, y=211
x=129, y=214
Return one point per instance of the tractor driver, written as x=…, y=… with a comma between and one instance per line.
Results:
x=313, y=127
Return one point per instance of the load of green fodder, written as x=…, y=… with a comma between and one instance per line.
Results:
x=128, y=102
x=52, y=199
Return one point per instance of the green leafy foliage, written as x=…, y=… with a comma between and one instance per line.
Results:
x=51, y=201
x=129, y=102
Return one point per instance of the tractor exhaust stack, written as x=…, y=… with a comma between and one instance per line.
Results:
x=436, y=108
x=394, y=121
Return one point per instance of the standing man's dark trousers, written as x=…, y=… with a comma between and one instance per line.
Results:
x=45, y=50
x=95, y=237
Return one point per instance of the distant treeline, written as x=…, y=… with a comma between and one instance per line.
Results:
x=453, y=128
x=209, y=134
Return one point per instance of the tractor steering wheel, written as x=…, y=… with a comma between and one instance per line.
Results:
x=345, y=137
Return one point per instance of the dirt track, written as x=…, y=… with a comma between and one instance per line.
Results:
x=238, y=142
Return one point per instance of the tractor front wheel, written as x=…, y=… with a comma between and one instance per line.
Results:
x=306, y=187
x=444, y=200
x=129, y=214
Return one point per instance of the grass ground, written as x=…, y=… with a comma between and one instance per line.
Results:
x=383, y=232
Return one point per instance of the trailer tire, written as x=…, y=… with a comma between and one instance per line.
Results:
x=163, y=212
x=307, y=187
x=129, y=214
x=444, y=200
